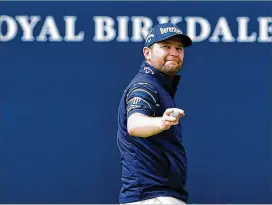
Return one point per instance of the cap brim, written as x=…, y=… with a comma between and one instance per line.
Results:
x=186, y=40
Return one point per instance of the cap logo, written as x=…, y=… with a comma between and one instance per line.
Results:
x=170, y=29
x=148, y=38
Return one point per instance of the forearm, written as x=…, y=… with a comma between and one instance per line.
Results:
x=144, y=126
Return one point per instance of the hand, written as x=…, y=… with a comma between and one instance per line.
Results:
x=168, y=120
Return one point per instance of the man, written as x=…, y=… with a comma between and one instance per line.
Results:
x=153, y=158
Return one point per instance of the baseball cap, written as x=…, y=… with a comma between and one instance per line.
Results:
x=164, y=31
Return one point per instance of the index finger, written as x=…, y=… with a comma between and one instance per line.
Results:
x=181, y=112
x=168, y=111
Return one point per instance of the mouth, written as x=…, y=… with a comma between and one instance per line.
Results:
x=171, y=62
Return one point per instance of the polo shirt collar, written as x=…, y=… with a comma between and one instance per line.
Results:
x=170, y=83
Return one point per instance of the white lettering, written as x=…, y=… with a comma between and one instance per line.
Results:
x=243, y=30
x=163, y=19
x=166, y=19
x=265, y=29
x=170, y=29
x=141, y=26
x=122, y=28
x=205, y=28
x=70, y=29
x=104, y=28
x=175, y=19
x=222, y=28
x=49, y=28
x=11, y=28
x=28, y=26
x=107, y=28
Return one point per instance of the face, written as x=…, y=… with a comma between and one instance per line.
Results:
x=167, y=56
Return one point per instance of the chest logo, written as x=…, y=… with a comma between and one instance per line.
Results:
x=148, y=70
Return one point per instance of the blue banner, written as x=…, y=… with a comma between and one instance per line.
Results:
x=65, y=65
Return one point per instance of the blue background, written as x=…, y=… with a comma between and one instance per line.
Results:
x=59, y=107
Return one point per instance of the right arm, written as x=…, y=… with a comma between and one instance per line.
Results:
x=145, y=126
x=142, y=101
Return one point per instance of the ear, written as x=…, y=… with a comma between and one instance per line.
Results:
x=147, y=53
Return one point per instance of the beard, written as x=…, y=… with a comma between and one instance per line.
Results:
x=171, y=70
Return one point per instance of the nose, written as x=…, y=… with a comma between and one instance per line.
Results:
x=173, y=51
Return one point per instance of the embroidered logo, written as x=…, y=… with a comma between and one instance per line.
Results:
x=149, y=37
x=148, y=70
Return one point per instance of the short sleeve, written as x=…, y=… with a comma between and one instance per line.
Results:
x=142, y=98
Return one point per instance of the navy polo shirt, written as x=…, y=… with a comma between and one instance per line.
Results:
x=153, y=166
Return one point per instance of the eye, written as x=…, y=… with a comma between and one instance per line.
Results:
x=166, y=46
x=180, y=48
